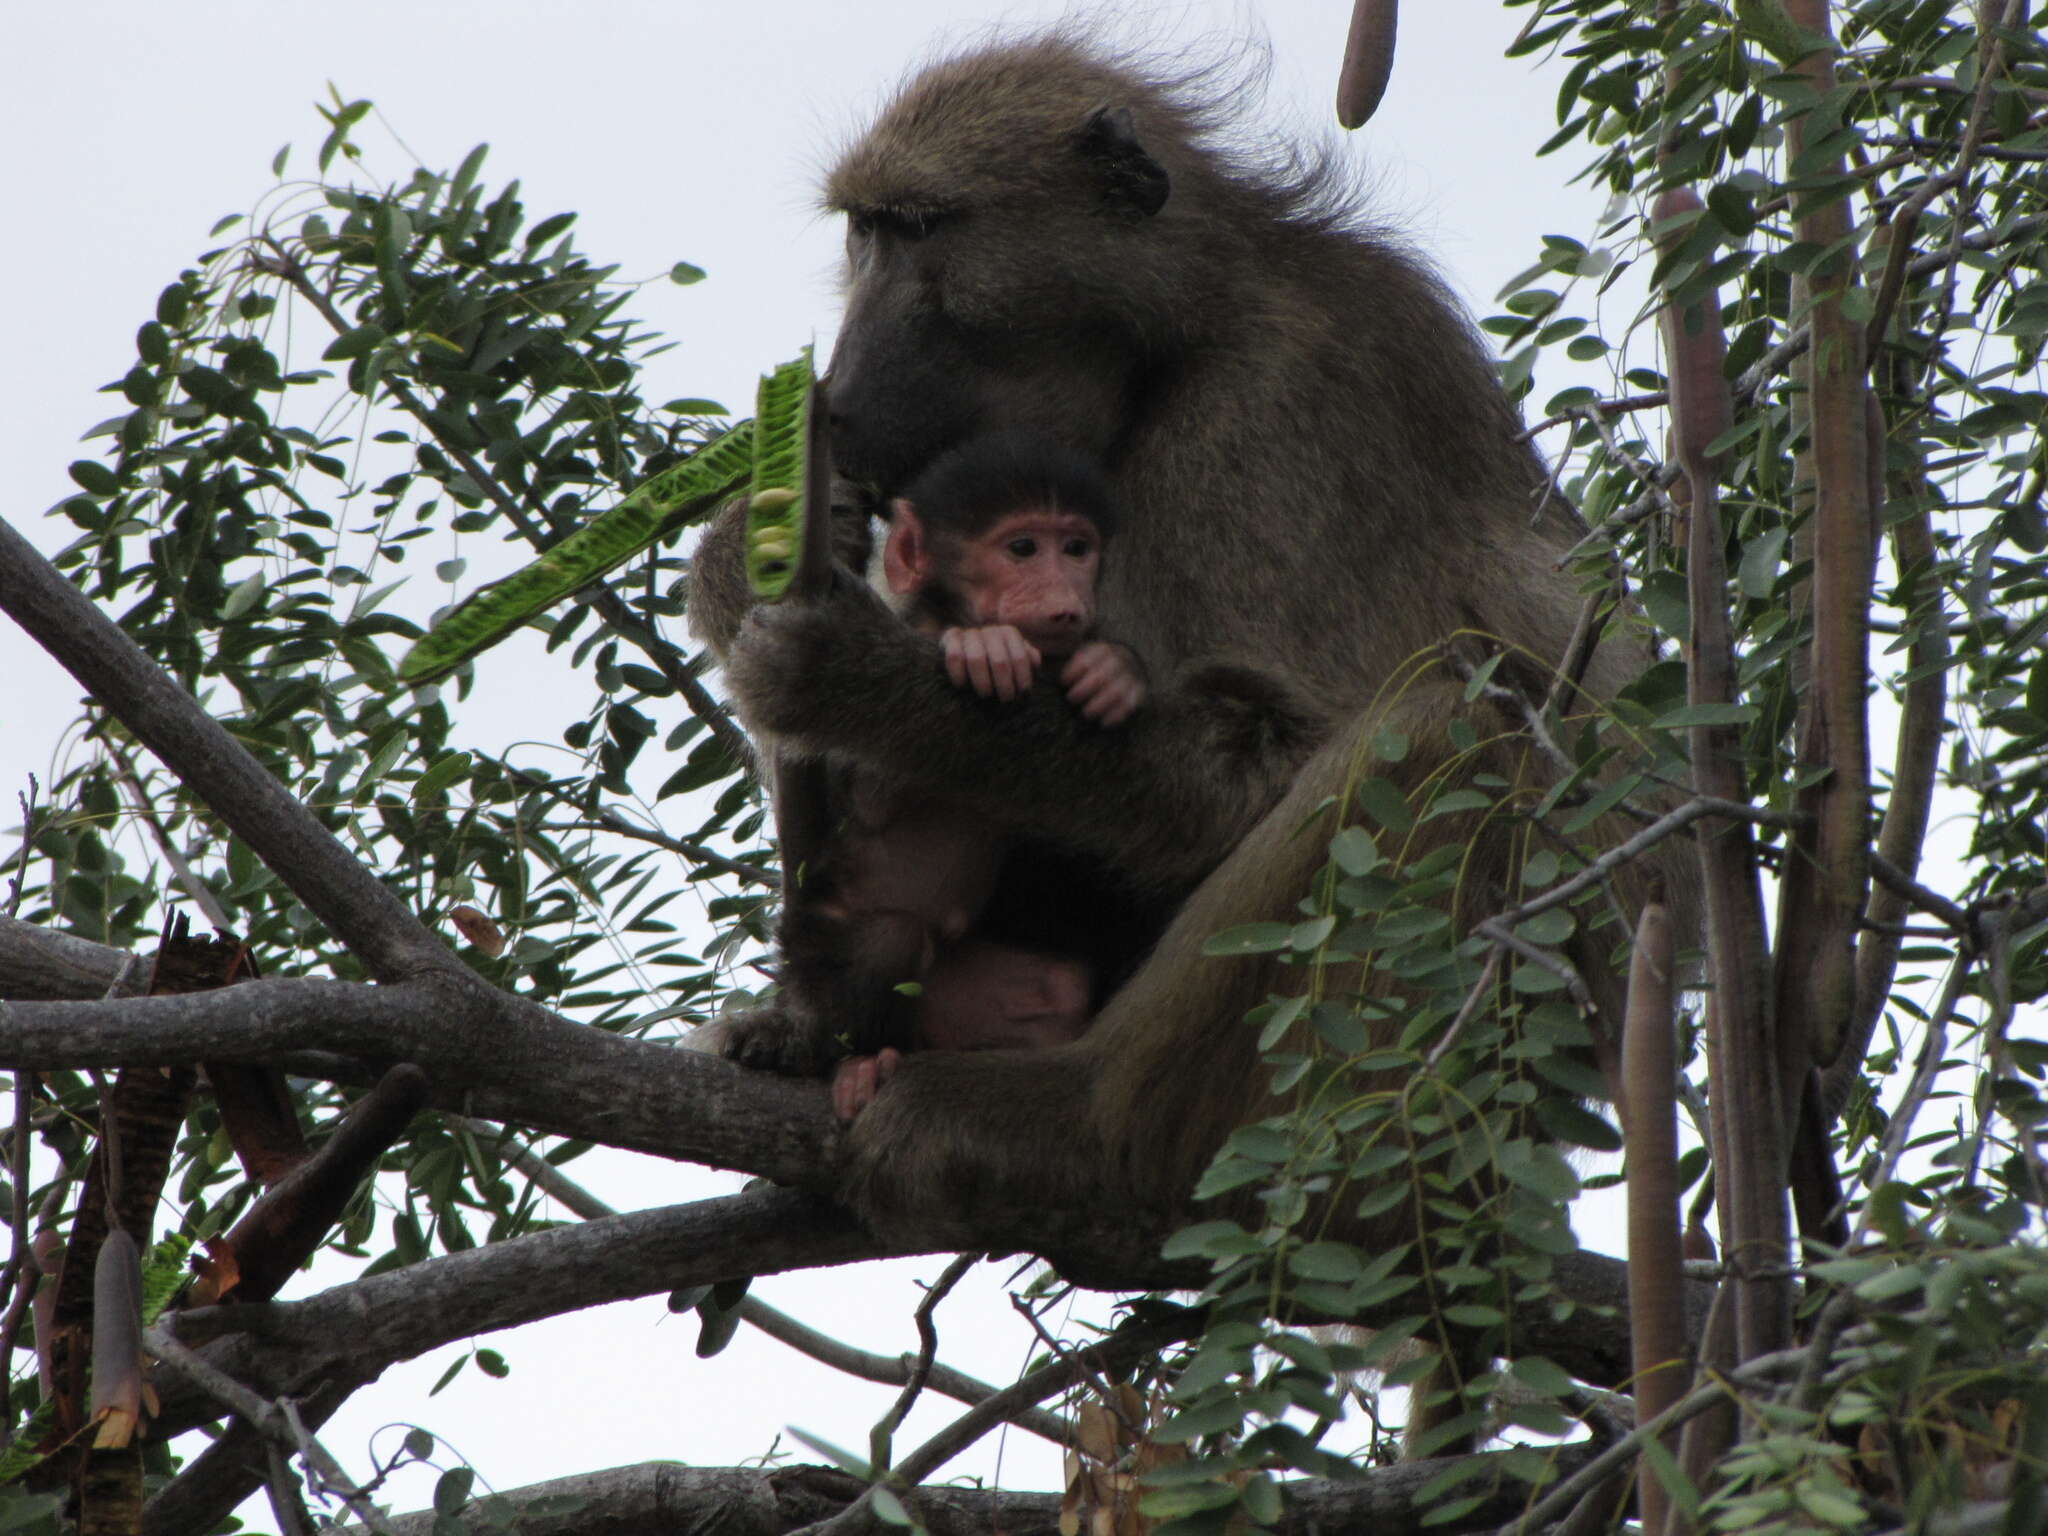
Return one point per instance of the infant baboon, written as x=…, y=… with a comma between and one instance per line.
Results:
x=924, y=925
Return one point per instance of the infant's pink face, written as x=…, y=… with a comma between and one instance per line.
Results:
x=983, y=996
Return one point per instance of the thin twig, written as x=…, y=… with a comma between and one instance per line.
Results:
x=283, y=1487
x=19, y=883
x=1932, y=902
x=1695, y=809
x=612, y=822
x=927, y=1349
x=1595, y=1472
x=1615, y=407
x=200, y=894
x=276, y=1421
x=1990, y=61
x=1474, y=1001
x=1933, y=1050
x=1574, y=984
x=1047, y=1381
x=886, y=1370
x=21, y=1271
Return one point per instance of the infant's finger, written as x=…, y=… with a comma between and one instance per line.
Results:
x=956, y=661
x=980, y=666
x=1023, y=656
x=846, y=1087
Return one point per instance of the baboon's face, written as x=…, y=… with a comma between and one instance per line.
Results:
x=932, y=352
x=988, y=291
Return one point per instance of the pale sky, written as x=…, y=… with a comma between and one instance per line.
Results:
x=680, y=131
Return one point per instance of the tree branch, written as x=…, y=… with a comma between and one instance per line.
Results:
x=517, y=1062
x=660, y=1498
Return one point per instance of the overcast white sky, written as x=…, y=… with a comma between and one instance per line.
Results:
x=680, y=131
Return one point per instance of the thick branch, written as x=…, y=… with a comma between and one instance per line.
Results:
x=353, y=1331
x=509, y=1058
x=659, y=1498
x=520, y=1063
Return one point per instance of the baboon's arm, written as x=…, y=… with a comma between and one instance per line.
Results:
x=1162, y=797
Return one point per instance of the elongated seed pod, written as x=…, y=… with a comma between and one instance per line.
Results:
x=117, y=1388
x=1701, y=410
x=607, y=541
x=1368, y=60
x=782, y=450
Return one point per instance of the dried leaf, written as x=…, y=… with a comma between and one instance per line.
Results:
x=479, y=930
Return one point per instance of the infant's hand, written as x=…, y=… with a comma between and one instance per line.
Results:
x=857, y=1079
x=1104, y=682
x=994, y=659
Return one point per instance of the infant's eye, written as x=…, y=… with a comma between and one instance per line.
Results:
x=1023, y=549
x=1079, y=549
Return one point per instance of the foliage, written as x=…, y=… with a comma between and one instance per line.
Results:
x=254, y=510
x=360, y=385
x=1931, y=140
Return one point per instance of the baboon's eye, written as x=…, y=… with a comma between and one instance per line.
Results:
x=897, y=223
x=1079, y=548
x=1023, y=547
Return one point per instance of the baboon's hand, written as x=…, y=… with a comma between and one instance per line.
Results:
x=796, y=667
x=776, y=1039
x=995, y=660
x=856, y=1080
x=1105, y=682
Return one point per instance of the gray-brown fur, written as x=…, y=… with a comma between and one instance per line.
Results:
x=1321, y=484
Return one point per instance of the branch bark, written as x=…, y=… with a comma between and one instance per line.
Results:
x=659, y=1498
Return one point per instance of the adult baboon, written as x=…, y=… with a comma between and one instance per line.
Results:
x=1321, y=479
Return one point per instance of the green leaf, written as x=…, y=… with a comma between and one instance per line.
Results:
x=242, y=597
x=94, y=477
x=1197, y=1241
x=1769, y=24
x=1306, y=938
x=1339, y=1263
x=1576, y=1126
x=1552, y=927
x=492, y=1364
x=451, y=1490
x=2037, y=689
x=1758, y=572
x=1386, y=805
x=685, y=274
x=1706, y=714
x=360, y=342
x=1353, y=851
x=888, y=1508
x=1542, y=1375
x=1249, y=939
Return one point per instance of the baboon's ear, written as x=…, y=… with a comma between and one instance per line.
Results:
x=1133, y=183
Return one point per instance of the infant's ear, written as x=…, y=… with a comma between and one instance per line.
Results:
x=906, y=555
